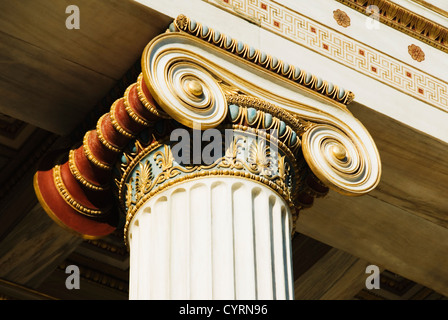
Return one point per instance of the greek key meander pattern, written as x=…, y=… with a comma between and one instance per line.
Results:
x=360, y=57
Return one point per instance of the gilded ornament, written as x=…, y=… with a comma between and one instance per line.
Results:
x=143, y=179
x=181, y=21
x=90, y=155
x=339, y=152
x=183, y=87
x=116, y=124
x=68, y=198
x=262, y=59
x=260, y=157
x=164, y=159
x=341, y=18
x=340, y=160
x=283, y=170
x=131, y=112
x=404, y=20
x=139, y=183
x=194, y=87
x=416, y=53
x=149, y=106
x=78, y=176
x=102, y=139
x=129, y=203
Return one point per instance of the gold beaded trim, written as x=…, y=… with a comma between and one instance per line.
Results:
x=103, y=140
x=78, y=176
x=131, y=112
x=145, y=101
x=90, y=156
x=68, y=198
x=115, y=123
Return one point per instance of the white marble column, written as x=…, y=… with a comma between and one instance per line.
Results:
x=212, y=238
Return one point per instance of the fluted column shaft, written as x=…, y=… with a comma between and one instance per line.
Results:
x=212, y=238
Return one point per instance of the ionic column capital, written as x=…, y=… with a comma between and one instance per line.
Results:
x=290, y=130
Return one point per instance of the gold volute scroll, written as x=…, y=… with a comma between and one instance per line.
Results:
x=188, y=77
x=183, y=87
x=342, y=162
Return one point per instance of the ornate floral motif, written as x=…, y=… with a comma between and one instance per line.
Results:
x=248, y=155
x=341, y=18
x=260, y=157
x=265, y=147
x=143, y=178
x=164, y=159
x=416, y=53
x=283, y=168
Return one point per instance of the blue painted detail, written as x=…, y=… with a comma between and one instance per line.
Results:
x=341, y=93
x=285, y=67
x=251, y=115
x=293, y=138
x=192, y=24
x=157, y=170
x=263, y=57
x=234, y=111
x=330, y=87
x=281, y=129
x=239, y=46
x=267, y=120
x=217, y=35
x=228, y=41
x=308, y=78
x=204, y=31
x=123, y=159
x=319, y=82
x=132, y=148
x=172, y=28
x=274, y=62
x=251, y=52
x=297, y=72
